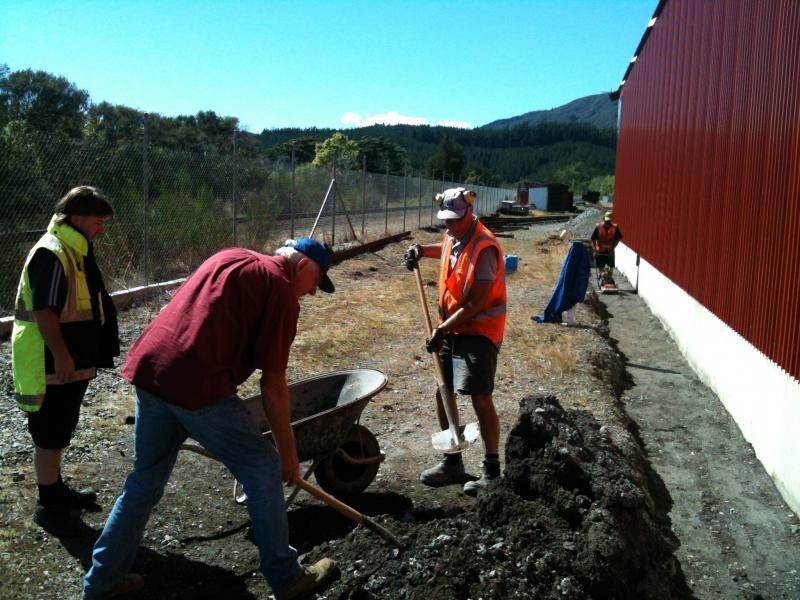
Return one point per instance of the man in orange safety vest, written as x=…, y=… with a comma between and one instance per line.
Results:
x=472, y=317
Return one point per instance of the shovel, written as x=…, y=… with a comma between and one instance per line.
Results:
x=454, y=438
x=348, y=511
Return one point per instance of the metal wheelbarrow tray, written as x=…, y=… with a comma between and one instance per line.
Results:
x=325, y=412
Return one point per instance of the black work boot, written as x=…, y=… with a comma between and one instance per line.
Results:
x=489, y=472
x=449, y=471
x=58, y=519
x=82, y=498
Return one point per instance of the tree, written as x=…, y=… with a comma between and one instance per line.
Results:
x=205, y=133
x=603, y=184
x=115, y=124
x=340, y=146
x=305, y=148
x=572, y=174
x=45, y=102
x=377, y=150
x=24, y=175
x=482, y=176
x=4, y=71
x=448, y=158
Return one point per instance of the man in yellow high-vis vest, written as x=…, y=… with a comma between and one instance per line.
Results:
x=65, y=327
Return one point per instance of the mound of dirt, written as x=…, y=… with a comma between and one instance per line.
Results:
x=570, y=519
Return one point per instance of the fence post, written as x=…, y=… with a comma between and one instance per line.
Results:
x=333, y=204
x=386, y=214
x=433, y=196
x=235, y=195
x=291, y=196
x=363, y=194
x=145, y=200
x=430, y=198
x=419, y=204
x=405, y=196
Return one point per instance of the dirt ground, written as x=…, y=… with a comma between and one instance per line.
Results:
x=623, y=475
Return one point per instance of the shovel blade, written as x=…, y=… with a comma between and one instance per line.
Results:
x=444, y=441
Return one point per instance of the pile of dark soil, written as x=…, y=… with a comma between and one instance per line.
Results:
x=570, y=519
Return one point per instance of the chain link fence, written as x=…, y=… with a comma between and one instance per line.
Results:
x=173, y=209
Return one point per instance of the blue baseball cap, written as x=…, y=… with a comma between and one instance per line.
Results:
x=320, y=254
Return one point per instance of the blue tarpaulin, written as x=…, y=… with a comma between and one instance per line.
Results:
x=571, y=286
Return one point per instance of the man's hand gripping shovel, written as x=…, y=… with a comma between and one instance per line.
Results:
x=454, y=438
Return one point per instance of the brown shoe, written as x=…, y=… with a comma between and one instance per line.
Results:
x=311, y=579
x=127, y=586
x=447, y=472
x=489, y=473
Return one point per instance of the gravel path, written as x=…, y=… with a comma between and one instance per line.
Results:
x=738, y=537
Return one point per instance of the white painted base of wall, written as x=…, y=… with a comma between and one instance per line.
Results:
x=762, y=398
x=120, y=298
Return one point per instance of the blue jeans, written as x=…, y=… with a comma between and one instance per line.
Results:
x=226, y=430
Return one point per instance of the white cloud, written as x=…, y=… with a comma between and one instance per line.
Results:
x=458, y=124
x=349, y=118
x=391, y=117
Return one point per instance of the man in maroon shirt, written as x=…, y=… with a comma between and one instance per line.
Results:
x=237, y=313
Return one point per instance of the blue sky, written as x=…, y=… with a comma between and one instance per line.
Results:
x=329, y=63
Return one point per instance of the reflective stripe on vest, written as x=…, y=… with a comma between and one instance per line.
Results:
x=455, y=285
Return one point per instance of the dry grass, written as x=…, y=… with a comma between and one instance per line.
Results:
x=374, y=319
x=538, y=349
x=375, y=316
x=116, y=405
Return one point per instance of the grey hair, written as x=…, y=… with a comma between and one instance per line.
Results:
x=291, y=254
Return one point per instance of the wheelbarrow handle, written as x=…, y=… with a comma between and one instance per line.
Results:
x=348, y=511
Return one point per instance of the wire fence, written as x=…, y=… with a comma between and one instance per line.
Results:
x=173, y=209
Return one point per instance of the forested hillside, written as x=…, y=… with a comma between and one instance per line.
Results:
x=521, y=148
x=598, y=110
x=571, y=153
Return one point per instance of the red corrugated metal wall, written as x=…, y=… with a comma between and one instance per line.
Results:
x=708, y=163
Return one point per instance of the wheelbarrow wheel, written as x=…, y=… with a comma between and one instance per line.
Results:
x=341, y=477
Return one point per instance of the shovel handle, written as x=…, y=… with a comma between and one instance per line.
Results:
x=348, y=511
x=424, y=302
x=448, y=401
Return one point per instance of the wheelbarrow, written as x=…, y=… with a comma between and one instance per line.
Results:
x=345, y=456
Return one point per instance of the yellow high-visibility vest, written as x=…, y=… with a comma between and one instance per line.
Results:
x=27, y=343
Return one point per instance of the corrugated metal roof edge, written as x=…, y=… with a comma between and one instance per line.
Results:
x=653, y=20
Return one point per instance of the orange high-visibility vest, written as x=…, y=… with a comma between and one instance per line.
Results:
x=455, y=284
x=606, y=240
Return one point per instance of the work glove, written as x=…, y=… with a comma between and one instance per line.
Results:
x=435, y=343
x=412, y=256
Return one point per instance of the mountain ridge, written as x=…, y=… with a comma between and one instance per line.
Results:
x=597, y=110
